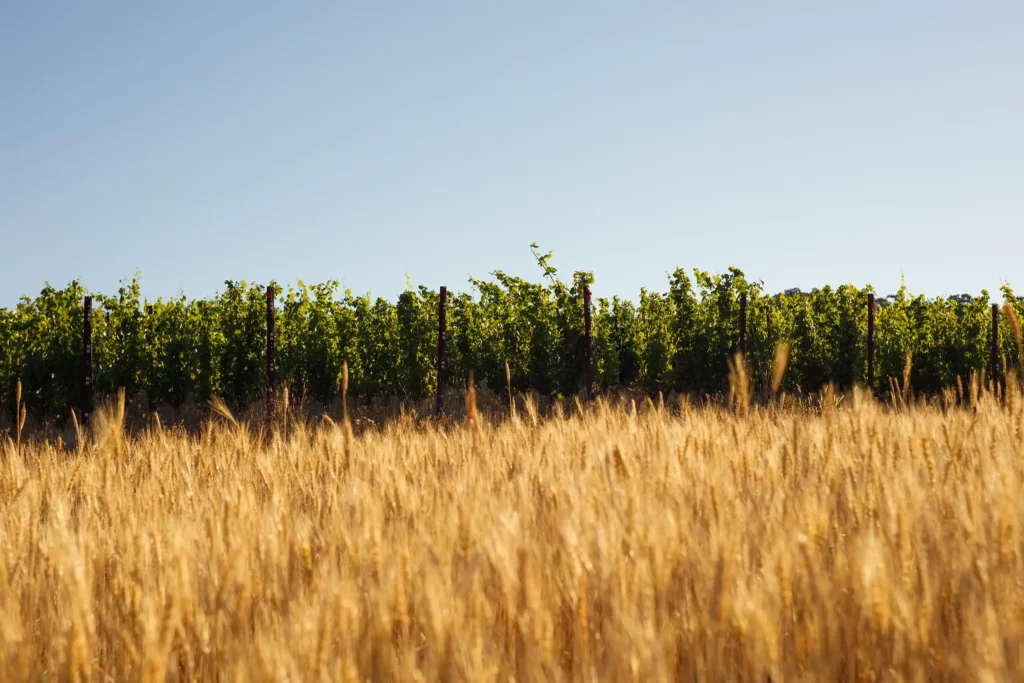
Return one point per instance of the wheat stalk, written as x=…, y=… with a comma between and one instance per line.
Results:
x=779, y=366
x=511, y=400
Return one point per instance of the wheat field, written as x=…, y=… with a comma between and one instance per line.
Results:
x=841, y=539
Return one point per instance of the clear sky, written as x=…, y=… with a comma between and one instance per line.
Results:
x=804, y=142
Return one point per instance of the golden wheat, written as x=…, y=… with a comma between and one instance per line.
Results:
x=841, y=542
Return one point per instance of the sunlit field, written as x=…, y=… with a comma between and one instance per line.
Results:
x=838, y=538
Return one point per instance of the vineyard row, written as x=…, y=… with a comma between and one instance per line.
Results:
x=551, y=338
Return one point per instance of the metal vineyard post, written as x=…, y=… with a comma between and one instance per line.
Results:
x=149, y=326
x=871, y=341
x=588, y=330
x=442, y=323
x=995, y=348
x=743, y=324
x=270, y=351
x=86, y=398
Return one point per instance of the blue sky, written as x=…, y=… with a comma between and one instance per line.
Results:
x=804, y=142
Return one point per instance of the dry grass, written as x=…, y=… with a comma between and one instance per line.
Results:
x=845, y=542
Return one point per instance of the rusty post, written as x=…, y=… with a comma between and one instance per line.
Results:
x=995, y=348
x=442, y=337
x=86, y=399
x=270, y=352
x=871, y=341
x=588, y=331
x=743, y=324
